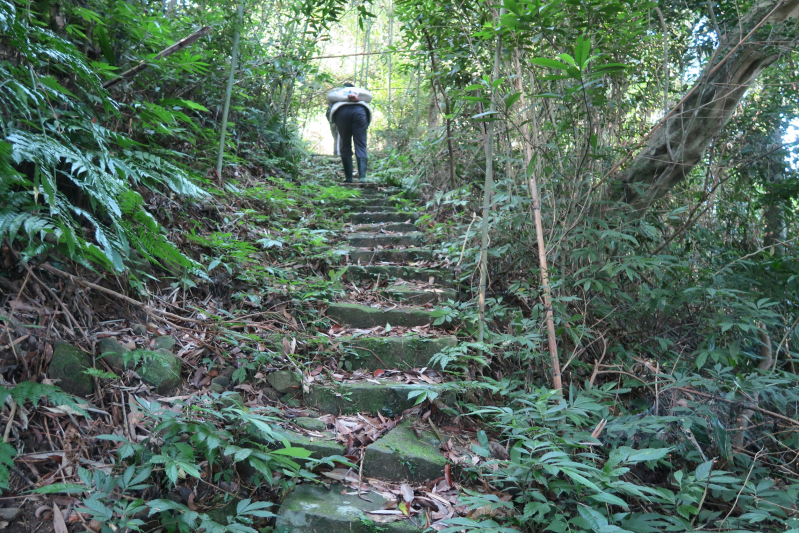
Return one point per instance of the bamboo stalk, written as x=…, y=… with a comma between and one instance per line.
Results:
x=180, y=45
x=487, y=197
x=229, y=89
x=555, y=364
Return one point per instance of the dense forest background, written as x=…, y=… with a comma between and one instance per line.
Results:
x=625, y=172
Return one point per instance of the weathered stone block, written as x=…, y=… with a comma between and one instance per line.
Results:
x=399, y=227
x=440, y=277
x=403, y=255
x=370, y=240
x=311, y=424
x=362, y=316
x=316, y=509
x=419, y=296
x=364, y=218
x=164, y=343
x=373, y=353
x=363, y=397
x=68, y=365
x=400, y=454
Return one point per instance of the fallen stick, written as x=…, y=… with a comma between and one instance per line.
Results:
x=183, y=43
x=115, y=294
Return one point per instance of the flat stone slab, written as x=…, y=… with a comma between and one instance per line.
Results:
x=319, y=447
x=389, y=398
x=373, y=353
x=370, y=240
x=363, y=316
x=365, y=218
x=400, y=454
x=401, y=255
x=398, y=227
x=378, y=209
x=443, y=278
x=371, y=200
x=419, y=296
x=316, y=509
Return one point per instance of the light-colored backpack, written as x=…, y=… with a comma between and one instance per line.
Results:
x=341, y=95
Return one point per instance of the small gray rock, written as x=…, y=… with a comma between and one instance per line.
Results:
x=139, y=329
x=221, y=380
x=67, y=366
x=164, y=343
x=112, y=351
x=285, y=381
x=216, y=387
x=290, y=400
x=9, y=514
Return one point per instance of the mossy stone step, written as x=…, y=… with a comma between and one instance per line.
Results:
x=398, y=227
x=443, y=278
x=401, y=455
x=371, y=200
x=401, y=255
x=369, y=240
x=319, y=448
x=419, y=296
x=387, y=397
x=316, y=509
x=363, y=316
x=373, y=353
x=378, y=209
x=364, y=218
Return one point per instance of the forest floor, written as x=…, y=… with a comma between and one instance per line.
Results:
x=297, y=373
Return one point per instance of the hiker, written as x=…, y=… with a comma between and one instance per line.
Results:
x=349, y=115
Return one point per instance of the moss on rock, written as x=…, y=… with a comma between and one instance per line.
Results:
x=68, y=365
x=161, y=369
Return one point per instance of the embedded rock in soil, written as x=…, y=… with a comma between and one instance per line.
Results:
x=312, y=508
x=161, y=369
x=400, y=454
x=402, y=255
x=362, y=316
x=164, y=343
x=285, y=381
x=388, y=398
x=139, y=329
x=68, y=365
x=111, y=352
x=386, y=272
x=373, y=353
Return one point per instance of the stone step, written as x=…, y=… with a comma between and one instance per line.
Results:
x=387, y=397
x=377, y=209
x=373, y=353
x=402, y=455
x=370, y=240
x=365, y=218
x=412, y=295
x=363, y=316
x=359, y=185
x=369, y=200
x=443, y=278
x=398, y=227
x=319, y=447
x=311, y=508
x=400, y=255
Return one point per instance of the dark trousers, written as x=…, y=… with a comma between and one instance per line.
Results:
x=352, y=123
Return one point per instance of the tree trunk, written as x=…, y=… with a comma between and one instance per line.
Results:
x=681, y=140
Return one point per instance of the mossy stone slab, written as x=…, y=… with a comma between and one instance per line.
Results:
x=419, y=296
x=285, y=381
x=162, y=370
x=378, y=209
x=402, y=255
x=362, y=316
x=68, y=365
x=373, y=353
x=320, y=448
x=311, y=424
x=401, y=455
x=164, y=342
x=370, y=240
x=112, y=353
x=443, y=278
x=389, y=398
x=316, y=509
x=365, y=218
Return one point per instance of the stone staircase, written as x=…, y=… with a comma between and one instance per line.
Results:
x=406, y=453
